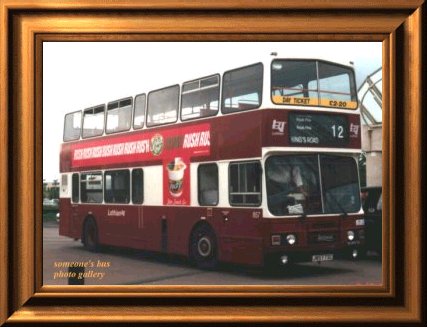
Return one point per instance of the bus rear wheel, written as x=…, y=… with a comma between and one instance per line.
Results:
x=90, y=235
x=203, y=247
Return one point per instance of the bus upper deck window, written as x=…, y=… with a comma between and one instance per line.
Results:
x=72, y=125
x=200, y=98
x=139, y=111
x=93, y=121
x=162, y=106
x=119, y=115
x=242, y=89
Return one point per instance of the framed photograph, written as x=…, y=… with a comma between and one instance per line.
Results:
x=200, y=163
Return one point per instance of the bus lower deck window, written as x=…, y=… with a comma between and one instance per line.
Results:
x=116, y=187
x=245, y=184
x=208, y=184
x=75, y=188
x=137, y=186
x=91, y=187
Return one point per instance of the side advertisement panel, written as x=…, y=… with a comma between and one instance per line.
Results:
x=174, y=147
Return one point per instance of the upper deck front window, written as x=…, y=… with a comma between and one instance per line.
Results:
x=313, y=83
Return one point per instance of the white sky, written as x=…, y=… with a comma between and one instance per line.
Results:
x=77, y=75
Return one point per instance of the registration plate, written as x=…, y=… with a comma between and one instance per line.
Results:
x=321, y=258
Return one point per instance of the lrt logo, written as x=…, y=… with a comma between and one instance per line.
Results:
x=278, y=127
x=353, y=128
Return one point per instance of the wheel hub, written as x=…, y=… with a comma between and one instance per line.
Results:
x=204, y=246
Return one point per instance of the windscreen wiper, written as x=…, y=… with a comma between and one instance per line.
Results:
x=344, y=214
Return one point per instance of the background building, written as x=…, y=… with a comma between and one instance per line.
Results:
x=370, y=96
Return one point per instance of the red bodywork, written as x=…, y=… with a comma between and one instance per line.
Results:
x=243, y=234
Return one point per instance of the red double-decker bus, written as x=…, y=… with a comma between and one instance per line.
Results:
x=254, y=165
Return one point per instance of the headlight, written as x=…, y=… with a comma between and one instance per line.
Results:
x=351, y=235
x=291, y=239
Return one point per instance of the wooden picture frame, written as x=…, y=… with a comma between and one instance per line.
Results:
x=398, y=24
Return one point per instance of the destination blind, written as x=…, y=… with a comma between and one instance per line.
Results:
x=318, y=129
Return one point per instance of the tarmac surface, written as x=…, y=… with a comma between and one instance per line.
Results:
x=114, y=266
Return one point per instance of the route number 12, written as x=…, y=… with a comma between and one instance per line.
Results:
x=337, y=131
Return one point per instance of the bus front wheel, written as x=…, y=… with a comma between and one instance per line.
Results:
x=203, y=247
x=90, y=235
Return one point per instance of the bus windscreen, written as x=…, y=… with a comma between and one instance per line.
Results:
x=312, y=184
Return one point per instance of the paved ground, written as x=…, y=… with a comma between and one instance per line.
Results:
x=115, y=266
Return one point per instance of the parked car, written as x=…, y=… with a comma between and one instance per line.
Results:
x=50, y=202
x=51, y=209
x=371, y=198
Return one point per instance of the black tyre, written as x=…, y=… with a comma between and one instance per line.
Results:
x=90, y=235
x=203, y=247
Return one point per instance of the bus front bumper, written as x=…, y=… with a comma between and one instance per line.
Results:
x=290, y=257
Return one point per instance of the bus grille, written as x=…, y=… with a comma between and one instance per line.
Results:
x=324, y=225
x=322, y=237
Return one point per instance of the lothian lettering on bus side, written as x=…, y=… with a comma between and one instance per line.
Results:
x=116, y=213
